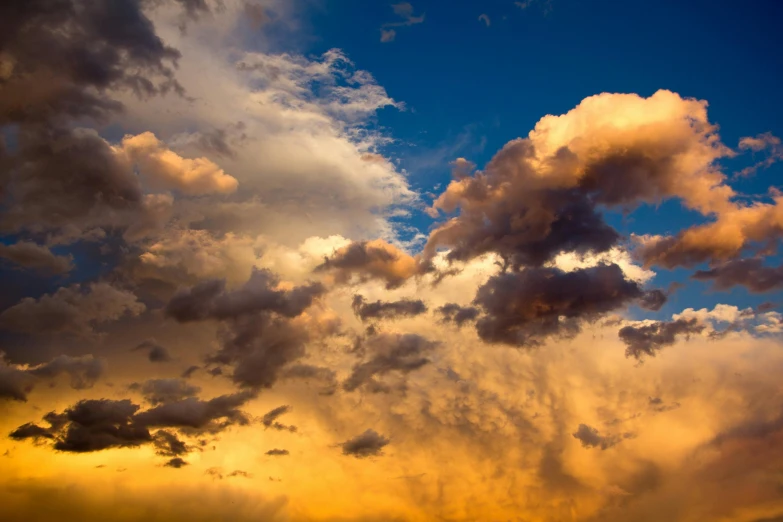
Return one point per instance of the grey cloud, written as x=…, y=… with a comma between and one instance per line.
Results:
x=71, y=310
x=370, y=260
x=176, y=462
x=649, y=339
x=457, y=314
x=30, y=431
x=401, y=353
x=750, y=273
x=189, y=371
x=96, y=425
x=210, y=299
x=169, y=445
x=155, y=352
x=197, y=414
x=387, y=310
x=368, y=444
x=15, y=383
x=36, y=257
x=277, y=452
x=159, y=391
x=269, y=419
x=84, y=371
x=523, y=308
x=592, y=438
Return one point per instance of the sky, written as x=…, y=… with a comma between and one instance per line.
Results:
x=321, y=260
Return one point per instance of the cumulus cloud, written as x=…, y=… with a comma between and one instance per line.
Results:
x=592, y=438
x=524, y=308
x=36, y=257
x=164, y=169
x=368, y=444
x=71, y=310
x=366, y=260
x=459, y=315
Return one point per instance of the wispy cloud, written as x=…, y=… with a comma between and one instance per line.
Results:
x=403, y=10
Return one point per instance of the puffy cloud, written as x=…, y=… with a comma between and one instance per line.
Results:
x=537, y=197
x=36, y=257
x=96, y=425
x=165, y=169
x=71, y=310
x=15, y=383
x=368, y=444
x=168, y=445
x=387, y=310
x=386, y=353
x=750, y=273
x=648, y=339
x=524, y=308
x=365, y=260
x=766, y=141
x=176, y=462
x=197, y=414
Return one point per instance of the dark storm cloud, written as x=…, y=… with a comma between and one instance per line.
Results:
x=368, y=444
x=592, y=438
x=270, y=419
x=159, y=391
x=66, y=56
x=211, y=300
x=367, y=260
x=524, y=308
x=459, y=315
x=387, y=310
x=386, y=353
x=649, y=339
x=750, y=273
x=168, y=445
x=277, y=452
x=36, y=257
x=155, y=352
x=96, y=425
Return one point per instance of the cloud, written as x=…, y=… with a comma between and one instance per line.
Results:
x=538, y=197
x=365, y=260
x=457, y=314
x=766, y=141
x=16, y=381
x=387, y=310
x=197, y=414
x=750, y=273
x=155, y=352
x=401, y=353
x=648, y=339
x=189, y=371
x=72, y=310
x=168, y=445
x=484, y=18
x=277, y=452
x=368, y=444
x=525, y=308
x=211, y=299
x=591, y=438
x=36, y=257
x=176, y=462
x=165, y=169
x=269, y=420
x=159, y=391
x=388, y=35
x=96, y=425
